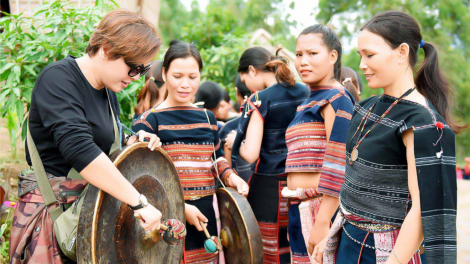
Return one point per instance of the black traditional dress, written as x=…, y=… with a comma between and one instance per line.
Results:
x=276, y=105
x=375, y=198
x=190, y=140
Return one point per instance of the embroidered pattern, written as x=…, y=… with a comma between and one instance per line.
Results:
x=308, y=148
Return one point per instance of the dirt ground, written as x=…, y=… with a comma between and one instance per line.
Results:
x=10, y=170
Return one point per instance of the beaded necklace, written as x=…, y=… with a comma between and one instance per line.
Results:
x=355, y=152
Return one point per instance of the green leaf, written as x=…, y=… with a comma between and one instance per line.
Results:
x=16, y=91
x=17, y=72
x=6, y=67
x=20, y=110
x=3, y=228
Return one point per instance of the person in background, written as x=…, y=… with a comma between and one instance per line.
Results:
x=243, y=168
x=209, y=95
x=153, y=91
x=350, y=80
x=225, y=114
x=260, y=140
x=466, y=169
x=459, y=172
x=236, y=107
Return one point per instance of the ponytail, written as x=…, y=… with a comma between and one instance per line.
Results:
x=147, y=97
x=429, y=80
x=433, y=85
x=279, y=65
x=262, y=60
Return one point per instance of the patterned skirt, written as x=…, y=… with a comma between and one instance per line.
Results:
x=351, y=242
x=302, y=215
x=271, y=211
x=194, y=251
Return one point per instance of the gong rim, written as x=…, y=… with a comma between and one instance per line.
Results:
x=242, y=199
x=91, y=235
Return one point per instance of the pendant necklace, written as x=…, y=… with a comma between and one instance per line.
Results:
x=355, y=151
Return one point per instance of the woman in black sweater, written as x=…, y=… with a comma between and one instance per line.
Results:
x=71, y=123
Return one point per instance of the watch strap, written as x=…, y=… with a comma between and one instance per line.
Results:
x=137, y=207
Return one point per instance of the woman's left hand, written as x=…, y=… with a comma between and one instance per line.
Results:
x=319, y=232
x=318, y=251
x=237, y=182
x=153, y=139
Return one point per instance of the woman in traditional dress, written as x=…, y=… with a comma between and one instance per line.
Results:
x=400, y=182
x=316, y=141
x=189, y=135
x=260, y=140
x=73, y=109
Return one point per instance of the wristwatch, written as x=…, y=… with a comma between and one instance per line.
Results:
x=143, y=203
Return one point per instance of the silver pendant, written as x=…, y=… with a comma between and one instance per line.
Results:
x=354, y=154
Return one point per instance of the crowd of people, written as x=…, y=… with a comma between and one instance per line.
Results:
x=330, y=178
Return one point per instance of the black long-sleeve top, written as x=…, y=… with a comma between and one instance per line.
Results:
x=70, y=121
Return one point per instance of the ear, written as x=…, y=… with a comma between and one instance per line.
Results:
x=333, y=57
x=103, y=52
x=403, y=52
x=252, y=71
x=164, y=74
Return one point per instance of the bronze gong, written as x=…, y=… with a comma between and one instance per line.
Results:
x=240, y=235
x=108, y=232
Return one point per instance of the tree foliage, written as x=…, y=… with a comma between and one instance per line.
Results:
x=30, y=43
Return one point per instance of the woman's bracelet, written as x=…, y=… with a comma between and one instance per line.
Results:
x=396, y=256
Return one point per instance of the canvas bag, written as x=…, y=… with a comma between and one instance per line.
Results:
x=65, y=222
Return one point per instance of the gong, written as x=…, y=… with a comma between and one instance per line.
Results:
x=108, y=232
x=240, y=234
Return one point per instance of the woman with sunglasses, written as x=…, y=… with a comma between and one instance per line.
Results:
x=74, y=109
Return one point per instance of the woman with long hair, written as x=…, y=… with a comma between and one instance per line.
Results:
x=316, y=141
x=189, y=135
x=260, y=140
x=398, y=203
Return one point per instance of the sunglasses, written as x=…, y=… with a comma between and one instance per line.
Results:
x=138, y=69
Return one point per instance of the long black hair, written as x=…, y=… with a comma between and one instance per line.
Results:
x=181, y=50
x=262, y=60
x=331, y=41
x=396, y=28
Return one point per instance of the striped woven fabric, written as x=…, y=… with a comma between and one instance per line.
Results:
x=376, y=184
x=306, y=139
x=200, y=256
x=190, y=141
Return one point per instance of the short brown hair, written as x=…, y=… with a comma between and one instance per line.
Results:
x=125, y=34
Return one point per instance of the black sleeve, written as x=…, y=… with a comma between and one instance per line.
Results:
x=59, y=100
x=147, y=122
